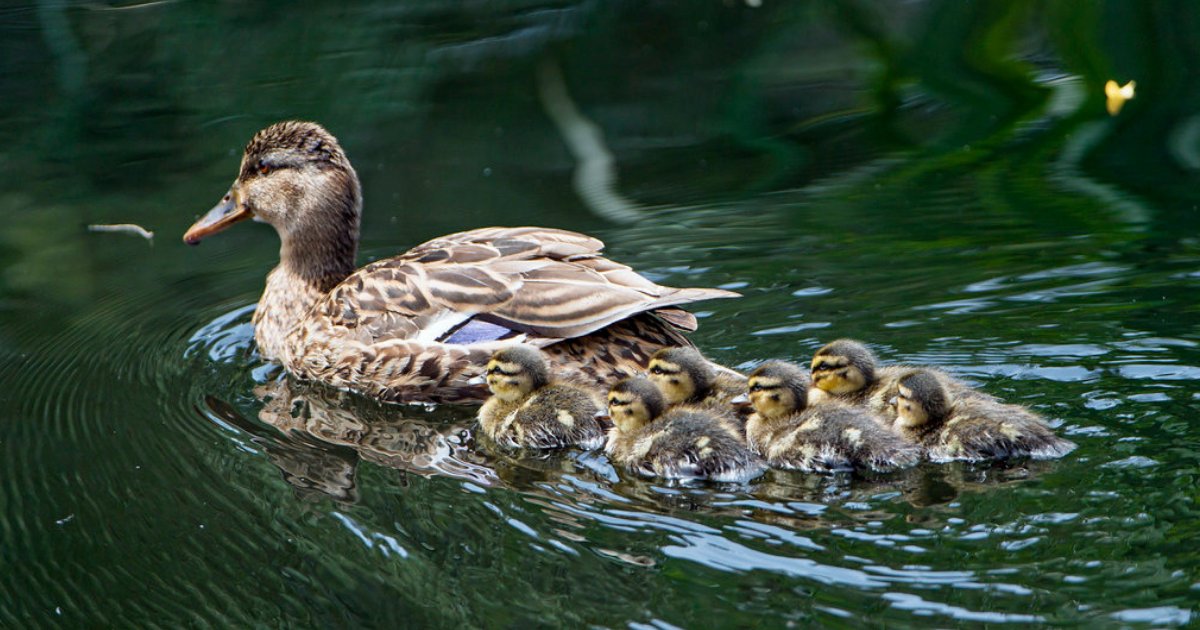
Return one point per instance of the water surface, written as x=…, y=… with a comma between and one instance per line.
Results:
x=940, y=180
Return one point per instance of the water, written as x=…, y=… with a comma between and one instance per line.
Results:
x=943, y=184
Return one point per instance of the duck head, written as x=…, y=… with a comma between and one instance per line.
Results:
x=633, y=403
x=920, y=399
x=778, y=389
x=682, y=374
x=843, y=366
x=295, y=177
x=512, y=373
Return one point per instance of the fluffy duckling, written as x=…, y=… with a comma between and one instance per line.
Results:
x=530, y=410
x=825, y=437
x=846, y=370
x=683, y=443
x=685, y=377
x=970, y=428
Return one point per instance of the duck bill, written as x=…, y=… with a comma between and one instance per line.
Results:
x=229, y=211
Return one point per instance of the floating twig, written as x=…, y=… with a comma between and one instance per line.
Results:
x=125, y=228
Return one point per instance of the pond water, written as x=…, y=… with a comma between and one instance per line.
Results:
x=939, y=179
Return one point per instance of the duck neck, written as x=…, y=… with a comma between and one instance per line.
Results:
x=315, y=255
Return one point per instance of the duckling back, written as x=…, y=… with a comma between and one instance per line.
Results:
x=832, y=437
x=980, y=429
x=726, y=386
x=724, y=417
x=554, y=416
x=686, y=444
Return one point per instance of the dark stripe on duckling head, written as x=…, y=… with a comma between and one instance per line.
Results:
x=925, y=389
x=530, y=360
x=786, y=375
x=694, y=364
x=639, y=388
x=853, y=352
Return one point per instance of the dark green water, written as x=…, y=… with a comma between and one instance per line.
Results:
x=939, y=179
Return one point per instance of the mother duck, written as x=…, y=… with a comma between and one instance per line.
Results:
x=420, y=326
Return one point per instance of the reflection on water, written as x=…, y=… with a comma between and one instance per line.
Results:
x=938, y=178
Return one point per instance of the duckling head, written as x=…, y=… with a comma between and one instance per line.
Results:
x=843, y=366
x=634, y=402
x=514, y=372
x=778, y=389
x=921, y=398
x=682, y=374
x=295, y=177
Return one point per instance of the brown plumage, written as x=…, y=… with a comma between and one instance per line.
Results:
x=825, y=437
x=421, y=325
x=970, y=428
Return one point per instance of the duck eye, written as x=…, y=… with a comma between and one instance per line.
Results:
x=756, y=387
x=654, y=369
x=263, y=168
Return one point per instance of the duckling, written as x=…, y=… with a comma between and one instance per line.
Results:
x=846, y=370
x=970, y=428
x=528, y=409
x=684, y=443
x=686, y=378
x=824, y=437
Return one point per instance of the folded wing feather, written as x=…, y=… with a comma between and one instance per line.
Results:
x=549, y=283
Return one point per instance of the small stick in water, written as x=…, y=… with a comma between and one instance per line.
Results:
x=127, y=228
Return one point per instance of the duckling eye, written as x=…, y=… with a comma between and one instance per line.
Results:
x=821, y=366
x=756, y=387
x=654, y=369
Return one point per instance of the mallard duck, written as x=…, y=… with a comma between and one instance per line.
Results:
x=969, y=428
x=529, y=409
x=420, y=326
x=686, y=443
x=824, y=437
x=846, y=370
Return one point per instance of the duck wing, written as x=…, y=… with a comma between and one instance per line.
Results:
x=495, y=283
